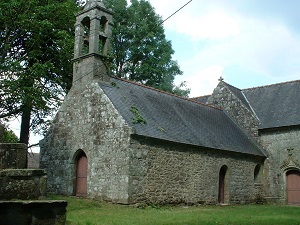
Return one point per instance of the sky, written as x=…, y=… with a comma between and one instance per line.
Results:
x=249, y=43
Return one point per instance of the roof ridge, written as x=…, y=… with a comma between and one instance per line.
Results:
x=164, y=92
x=200, y=96
x=269, y=85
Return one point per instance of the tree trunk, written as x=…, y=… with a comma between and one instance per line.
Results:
x=25, y=125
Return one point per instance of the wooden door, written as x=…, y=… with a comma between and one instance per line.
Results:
x=293, y=187
x=81, y=175
x=222, y=175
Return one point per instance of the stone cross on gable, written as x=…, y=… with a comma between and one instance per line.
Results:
x=221, y=79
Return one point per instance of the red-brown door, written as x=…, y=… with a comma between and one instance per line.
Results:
x=293, y=187
x=81, y=176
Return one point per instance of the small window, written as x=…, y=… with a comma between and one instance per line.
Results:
x=257, y=173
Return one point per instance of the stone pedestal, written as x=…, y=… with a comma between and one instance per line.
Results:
x=22, y=184
x=33, y=212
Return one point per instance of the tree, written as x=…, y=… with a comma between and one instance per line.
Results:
x=7, y=135
x=36, y=46
x=10, y=137
x=139, y=47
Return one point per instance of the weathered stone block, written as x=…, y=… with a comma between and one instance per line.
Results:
x=13, y=156
x=22, y=184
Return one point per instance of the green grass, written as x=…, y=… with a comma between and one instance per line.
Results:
x=91, y=212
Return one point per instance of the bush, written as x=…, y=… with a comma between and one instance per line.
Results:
x=10, y=137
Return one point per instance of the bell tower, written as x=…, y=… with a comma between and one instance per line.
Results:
x=92, y=43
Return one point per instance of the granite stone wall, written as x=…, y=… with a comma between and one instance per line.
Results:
x=162, y=172
x=224, y=98
x=283, y=147
x=88, y=121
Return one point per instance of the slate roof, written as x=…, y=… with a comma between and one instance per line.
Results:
x=202, y=99
x=276, y=105
x=177, y=119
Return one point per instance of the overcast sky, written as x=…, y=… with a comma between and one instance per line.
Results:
x=247, y=42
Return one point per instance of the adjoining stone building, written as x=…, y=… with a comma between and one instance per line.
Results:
x=271, y=115
x=125, y=142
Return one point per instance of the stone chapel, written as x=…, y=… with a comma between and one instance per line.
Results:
x=124, y=142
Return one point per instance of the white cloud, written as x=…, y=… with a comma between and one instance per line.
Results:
x=212, y=25
x=235, y=34
x=203, y=82
x=198, y=24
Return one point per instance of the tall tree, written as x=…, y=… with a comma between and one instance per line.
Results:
x=140, y=49
x=36, y=46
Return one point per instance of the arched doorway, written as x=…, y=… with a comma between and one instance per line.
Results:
x=293, y=187
x=223, y=190
x=81, y=174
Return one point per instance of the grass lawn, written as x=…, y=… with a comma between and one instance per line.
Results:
x=92, y=212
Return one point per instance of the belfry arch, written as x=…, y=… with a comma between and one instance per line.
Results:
x=86, y=35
